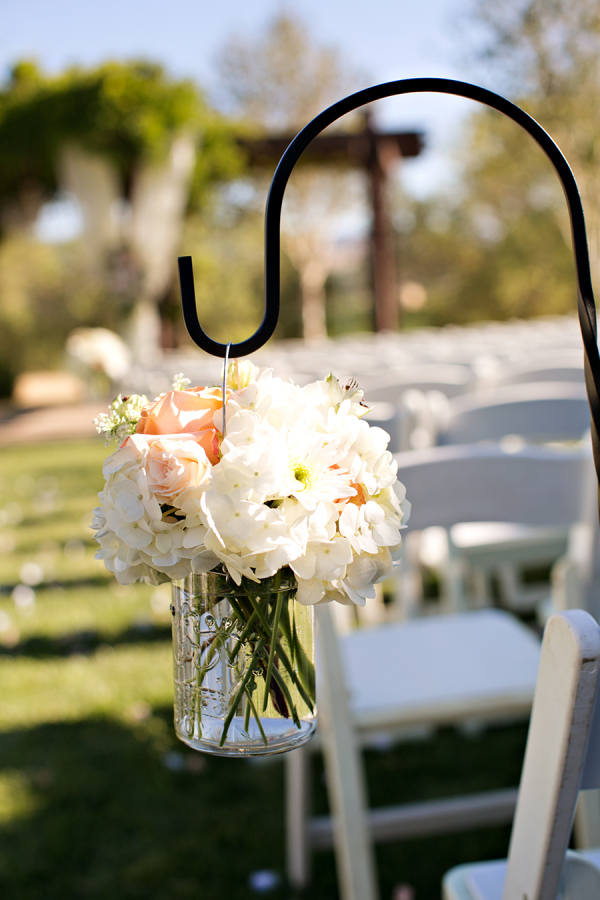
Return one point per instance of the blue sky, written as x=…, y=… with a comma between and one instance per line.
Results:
x=386, y=39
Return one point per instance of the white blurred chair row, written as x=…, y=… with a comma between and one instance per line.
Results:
x=474, y=666
x=491, y=557
x=475, y=357
x=497, y=505
x=488, y=562
x=541, y=411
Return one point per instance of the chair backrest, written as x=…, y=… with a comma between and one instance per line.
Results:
x=482, y=483
x=546, y=411
x=526, y=373
x=451, y=380
x=563, y=727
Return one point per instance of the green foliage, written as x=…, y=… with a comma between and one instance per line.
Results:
x=45, y=292
x=125, y=111
x=546, y=56
x=220, y=159
x=502, y=247
x=499, y=246
x=129, y=111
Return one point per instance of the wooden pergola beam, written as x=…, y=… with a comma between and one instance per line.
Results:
x=375, y=152
x=353, y=149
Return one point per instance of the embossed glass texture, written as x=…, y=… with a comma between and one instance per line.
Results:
x=243, y=664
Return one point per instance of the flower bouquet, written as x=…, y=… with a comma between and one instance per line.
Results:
x=257, y=502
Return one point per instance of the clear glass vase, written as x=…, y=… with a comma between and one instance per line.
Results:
x=243, y=664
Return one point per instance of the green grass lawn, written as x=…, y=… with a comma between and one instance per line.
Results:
x=97, y=798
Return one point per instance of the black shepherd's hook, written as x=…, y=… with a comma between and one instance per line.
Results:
x=586, y=306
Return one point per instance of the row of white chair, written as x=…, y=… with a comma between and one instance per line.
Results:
x=476, y=665
x=491, y=557
x=483, y=354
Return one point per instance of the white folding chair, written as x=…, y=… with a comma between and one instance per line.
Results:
x=562, y=756
x=555, y=365
x=489, y=541
x=576, y=584
x=478, y=665
x=536, y=413
x=451, y=380
x=540, y=412
x=525, y=373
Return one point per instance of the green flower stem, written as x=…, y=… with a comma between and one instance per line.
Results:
x=282, y=655
x=286, y=693
x=236, y=603
x=236, y=701
x=248, y=627
x=254, y=616
x=305, y=667
x=275, y=626
x=247, y=711
x=212, y=646
x=267, y=627
x=257, y=717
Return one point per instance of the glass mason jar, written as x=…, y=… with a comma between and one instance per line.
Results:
x=243, y=664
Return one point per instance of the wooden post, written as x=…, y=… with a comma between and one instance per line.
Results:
x=383, y=263
x=374, y=152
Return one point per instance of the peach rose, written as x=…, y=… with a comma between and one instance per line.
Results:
x=173, y=464
x=186, y=412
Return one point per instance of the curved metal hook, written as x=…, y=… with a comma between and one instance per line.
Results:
x=586, y=305
x=199, y=337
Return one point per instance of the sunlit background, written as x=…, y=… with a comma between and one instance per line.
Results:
x=131, y=133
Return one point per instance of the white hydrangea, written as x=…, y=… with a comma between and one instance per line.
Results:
x=300, y=480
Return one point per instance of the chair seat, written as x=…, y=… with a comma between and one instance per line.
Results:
x=469, y=536
x=476, y=665
x=485, y=881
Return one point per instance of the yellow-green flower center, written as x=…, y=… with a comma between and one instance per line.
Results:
x=302, y=474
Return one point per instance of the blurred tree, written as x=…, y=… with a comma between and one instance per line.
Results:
x=282, y=78
x=501, y=246
x=123, y=138
x=474, y=264
x=498, y=244
x=547, y=56
x=277, y=82
x=126, y=112
x=44, y=294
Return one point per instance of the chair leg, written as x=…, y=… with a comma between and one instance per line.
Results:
x=482, y=598
x=453, y=597
x=586, y=827
x=408, y=594
x=297, y=810
x=345, y=782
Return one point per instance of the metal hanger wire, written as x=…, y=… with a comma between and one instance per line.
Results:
x=225, y=367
